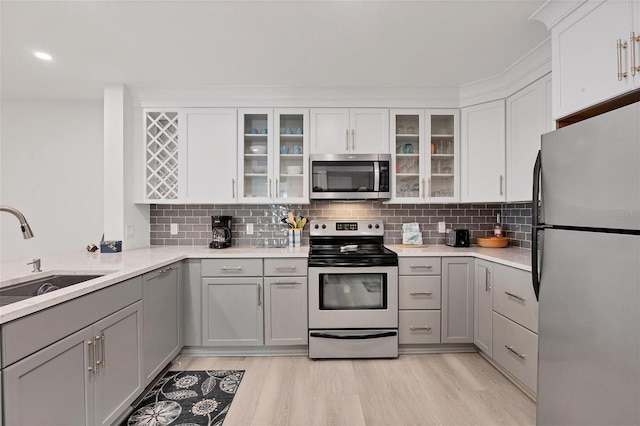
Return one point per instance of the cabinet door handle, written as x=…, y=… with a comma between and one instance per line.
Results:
x=513, y=351
x=96, y=359
x=286, y=268
x=269, y=188
x=353, y=140
x=501, y=185
x=92, y=356
x=515, y=296
x=632, y=39
x=487, y=278
x=416, y=293
x=259, y=294
x=169, y=269
x=346, y=133
x=103, y=350
x=423, y=186
x=233, y=188
x=426, y=327
x=235, y=268
x=429, y=189
x=421, y=267
x=277, y=188
x=619, y=46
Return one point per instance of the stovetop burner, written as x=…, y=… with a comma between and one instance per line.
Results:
x=349, y=243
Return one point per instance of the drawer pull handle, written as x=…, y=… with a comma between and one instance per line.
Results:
x=169, y=269
x=416, y=293
x=513, y=351
x=421, y=267
x=235, y=268
x=426, y=327
x=515, y=296
x=286, y=268
x=288, y=282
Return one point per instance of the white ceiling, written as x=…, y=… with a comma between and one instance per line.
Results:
x=310, y=44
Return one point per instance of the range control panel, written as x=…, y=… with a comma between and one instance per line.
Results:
x=346, y=227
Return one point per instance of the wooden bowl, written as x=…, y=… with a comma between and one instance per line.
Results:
x=494, y=242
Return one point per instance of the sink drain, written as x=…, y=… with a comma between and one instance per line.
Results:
x=46, y=288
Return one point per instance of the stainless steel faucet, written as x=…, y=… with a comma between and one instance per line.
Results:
x=24, y=226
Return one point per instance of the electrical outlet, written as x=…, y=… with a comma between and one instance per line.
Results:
x=442, y=227
x=174, y=229
x=249, y=228
x=129, y=231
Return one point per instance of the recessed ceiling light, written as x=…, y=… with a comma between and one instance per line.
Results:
x=43, y=56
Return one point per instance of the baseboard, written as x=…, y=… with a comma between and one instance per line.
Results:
x=437, y=349
x=201, y=351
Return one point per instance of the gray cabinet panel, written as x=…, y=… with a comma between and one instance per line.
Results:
x=285, y=315
x=419, y=266
x=232, y=311
x=419, y=327
x=483, y=306
x=419, y=292
x=50, y=325
x=514, y=297
x=192, y=302
x=119, y=379
x=51, y=386
x=457, y=300
x=231, y=267
x=290, y=266
x=161, y=308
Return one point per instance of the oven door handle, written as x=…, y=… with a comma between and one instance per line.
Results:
x=354, y=336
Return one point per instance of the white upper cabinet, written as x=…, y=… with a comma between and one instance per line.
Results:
x=483, y=152
x=425, y=152
x=273, y=155
x=211, y=164
x=528, y=117
x=350, y=130
x=596, y=54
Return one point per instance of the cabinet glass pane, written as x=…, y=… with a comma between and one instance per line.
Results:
x=256, y=155
x=162, y=155
x=442, y=156
x=290, y=174
x=407, y=145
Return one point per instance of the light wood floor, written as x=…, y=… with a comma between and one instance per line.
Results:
x=442, y=389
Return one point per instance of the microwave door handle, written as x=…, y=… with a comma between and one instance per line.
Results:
x=376, y=176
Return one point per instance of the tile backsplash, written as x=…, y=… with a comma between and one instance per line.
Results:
x=194, y=220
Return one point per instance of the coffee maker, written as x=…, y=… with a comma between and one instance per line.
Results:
x=221, y=229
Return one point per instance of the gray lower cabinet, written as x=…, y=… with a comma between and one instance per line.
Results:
x=89, y=377
x=285, y=311
x=483, y=306
x=162, y=309
x=457, y=300
x=232, y=310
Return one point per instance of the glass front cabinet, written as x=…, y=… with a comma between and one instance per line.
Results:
x=425, y=152
x=273, y=150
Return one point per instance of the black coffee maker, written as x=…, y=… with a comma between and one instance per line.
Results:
x=221, y=229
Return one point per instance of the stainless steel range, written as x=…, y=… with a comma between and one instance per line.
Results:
x=353, y=291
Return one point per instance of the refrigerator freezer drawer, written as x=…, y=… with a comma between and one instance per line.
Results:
x=514, y=297
x=419, y=327
x=419, y=292
x=516, y=349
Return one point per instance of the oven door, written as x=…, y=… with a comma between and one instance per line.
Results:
x=353, y=297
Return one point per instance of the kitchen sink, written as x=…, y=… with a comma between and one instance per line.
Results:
x=18, y=292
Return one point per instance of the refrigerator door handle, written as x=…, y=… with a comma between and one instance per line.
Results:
x=535, y=227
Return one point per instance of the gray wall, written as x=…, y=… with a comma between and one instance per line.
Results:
x=194, y=220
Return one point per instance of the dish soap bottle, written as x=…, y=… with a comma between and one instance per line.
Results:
x=497, y=230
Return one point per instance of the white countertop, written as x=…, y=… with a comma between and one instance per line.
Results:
x=118, y=267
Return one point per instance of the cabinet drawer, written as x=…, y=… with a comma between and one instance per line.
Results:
x=419, y=266
x=231, y=267
x=516, y=349
x=419, y=292
x=513, y=296
x=289, y=266
x=417, y=327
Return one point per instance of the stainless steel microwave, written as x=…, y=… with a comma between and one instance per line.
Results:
x=350, y=176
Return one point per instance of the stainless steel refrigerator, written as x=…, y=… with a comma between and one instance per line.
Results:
x=587, y=272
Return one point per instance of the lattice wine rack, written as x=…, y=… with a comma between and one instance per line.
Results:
x=162, y=155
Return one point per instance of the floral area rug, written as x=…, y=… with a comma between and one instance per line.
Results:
x=188, y=398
